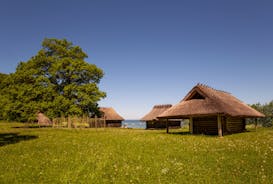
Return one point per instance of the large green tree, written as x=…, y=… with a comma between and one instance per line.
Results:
x=57, y=81
x=4, y=94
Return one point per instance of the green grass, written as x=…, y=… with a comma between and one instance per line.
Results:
x=45, y=155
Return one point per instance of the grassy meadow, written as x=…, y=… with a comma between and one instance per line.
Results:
x=46, y=155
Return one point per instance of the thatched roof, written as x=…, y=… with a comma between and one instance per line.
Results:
x=43, y=119
x=204, y=100
x=110, y=114
x=156, y=111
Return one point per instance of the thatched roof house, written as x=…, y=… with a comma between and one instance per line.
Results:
x=113, y=119
x=43, y=120
x=212, y=111
x=156, y=111
x=153, y=122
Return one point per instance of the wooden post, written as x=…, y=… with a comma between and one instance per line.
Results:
x=91, y=122
x=104, y=121
x=219, y=122
x=167, y=126
x=191, y=125
x=69, y=122
x=76, y=121
x=95, y=121
x=63, y=119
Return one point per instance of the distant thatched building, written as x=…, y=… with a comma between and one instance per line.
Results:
x=212, y=111
x=43, y=120
x=153, y=122
x=113, y=119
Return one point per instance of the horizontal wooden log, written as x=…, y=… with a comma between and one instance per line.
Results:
x=235, y=125
x=205, y=125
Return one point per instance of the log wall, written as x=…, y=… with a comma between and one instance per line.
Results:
x=235, y=125
x=208, y=125
x=162, y=124
x=112, y=123
x=205, y=125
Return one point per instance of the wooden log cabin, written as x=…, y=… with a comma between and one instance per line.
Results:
x=212, y=111
x=152, y=122
x=112, y=118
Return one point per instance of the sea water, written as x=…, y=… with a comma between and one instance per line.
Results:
x=134, y=124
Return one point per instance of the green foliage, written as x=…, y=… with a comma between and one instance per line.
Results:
x=4, y=95
x=134, y=156
x=267, y=110
x=56, y=81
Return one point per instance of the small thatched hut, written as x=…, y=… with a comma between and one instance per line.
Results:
x=212, y=111
x=43, y=120
x=112, y=118
x=152, y=122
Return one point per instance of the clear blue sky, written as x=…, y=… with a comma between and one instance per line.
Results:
x=152, y=52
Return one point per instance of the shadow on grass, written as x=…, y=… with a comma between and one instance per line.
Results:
x=180, y=133
x=12, y=138
x=188, y=133
x=32, y=126
x=208, y=135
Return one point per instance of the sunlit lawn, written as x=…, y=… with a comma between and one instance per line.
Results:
x=46, y=155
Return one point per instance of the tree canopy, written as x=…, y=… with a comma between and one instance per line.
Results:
x=57, y=81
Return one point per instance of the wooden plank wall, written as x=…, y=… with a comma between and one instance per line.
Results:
x=114, y=123
x=235, y=125
x=208, y=125
x=78, y=122
x=162, y=124
x=205, y=125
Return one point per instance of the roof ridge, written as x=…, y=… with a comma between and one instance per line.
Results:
x=162, y=105
x=207, y=86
